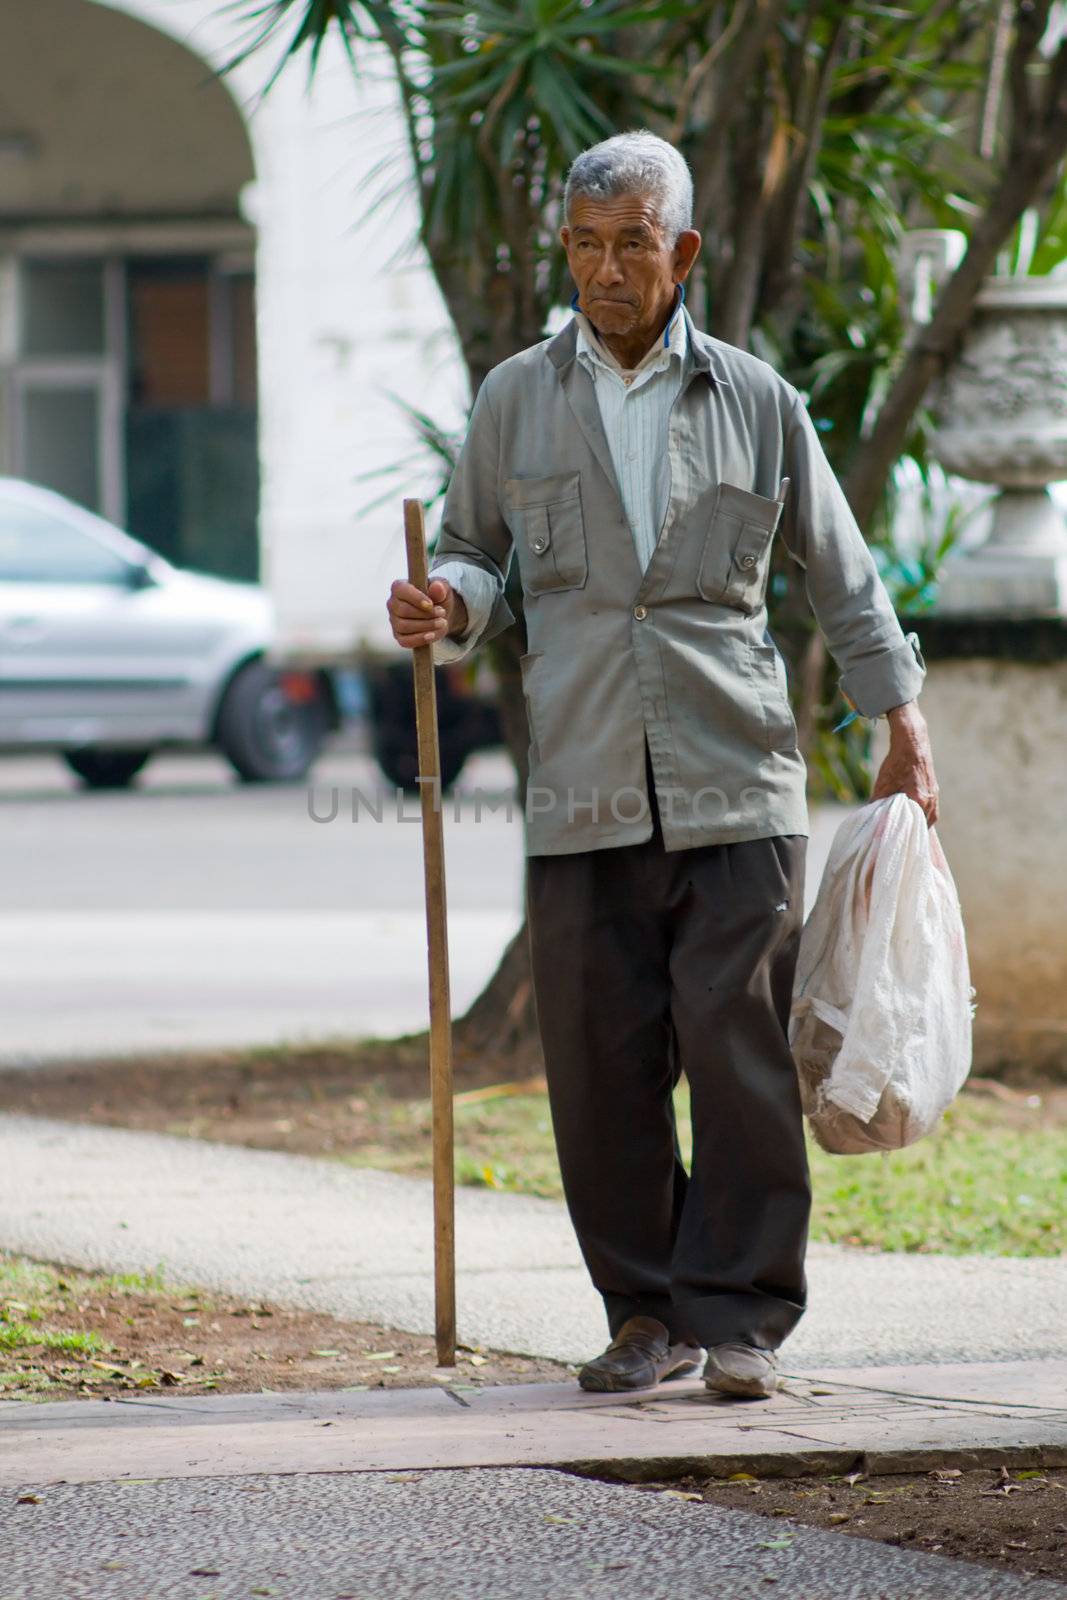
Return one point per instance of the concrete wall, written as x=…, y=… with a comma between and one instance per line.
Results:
x=348, y=318
x=997, y=728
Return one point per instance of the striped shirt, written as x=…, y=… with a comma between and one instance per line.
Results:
x=635, y=408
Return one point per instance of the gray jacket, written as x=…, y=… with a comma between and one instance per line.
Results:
x=680, y=654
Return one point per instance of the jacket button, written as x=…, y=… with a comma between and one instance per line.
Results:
x=640, y=612
x=748, y=561
x=539, y=545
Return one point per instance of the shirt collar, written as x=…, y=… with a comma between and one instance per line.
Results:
x=666, y=348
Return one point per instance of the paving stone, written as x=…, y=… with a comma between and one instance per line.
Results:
x=813, y=1424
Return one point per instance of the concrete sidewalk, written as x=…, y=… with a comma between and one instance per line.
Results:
x=318, y=1234
x=358, y=1496
x=882, y=1420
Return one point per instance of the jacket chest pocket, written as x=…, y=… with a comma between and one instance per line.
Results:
x=737, y=547
x=545, y=515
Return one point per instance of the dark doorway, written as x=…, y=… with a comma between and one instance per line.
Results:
x=192, y=474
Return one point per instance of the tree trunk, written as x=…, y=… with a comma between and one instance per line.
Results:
x=499, y=1031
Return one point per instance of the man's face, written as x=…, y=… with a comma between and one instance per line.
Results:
x=622, y=264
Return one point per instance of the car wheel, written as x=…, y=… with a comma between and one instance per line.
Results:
x=266, y=734
x=400, y=764
x=106, y=769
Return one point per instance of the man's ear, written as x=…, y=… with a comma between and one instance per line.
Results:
x=686, y=250
x=565, y=238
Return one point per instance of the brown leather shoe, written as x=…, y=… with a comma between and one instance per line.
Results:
x=741, y=1370
x=640, y=1356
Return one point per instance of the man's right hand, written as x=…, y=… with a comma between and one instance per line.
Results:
x=419, y=616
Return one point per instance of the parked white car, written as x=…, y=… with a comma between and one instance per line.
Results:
x=107, y=653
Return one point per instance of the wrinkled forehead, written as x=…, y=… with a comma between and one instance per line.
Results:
x=614, y=214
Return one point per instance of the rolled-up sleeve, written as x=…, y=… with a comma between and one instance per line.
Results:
x=479, y=592
x=880, y=666
x=473, y=550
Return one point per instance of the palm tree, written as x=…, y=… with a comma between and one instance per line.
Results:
x=816, y=131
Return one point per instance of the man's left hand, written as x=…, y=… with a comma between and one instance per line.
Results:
x=909, y=766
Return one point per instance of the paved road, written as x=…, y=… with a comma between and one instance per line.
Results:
x=316, y=1233
x=193, y=911
x=477, y=1535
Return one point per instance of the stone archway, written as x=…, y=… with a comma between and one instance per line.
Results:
x=130, y=319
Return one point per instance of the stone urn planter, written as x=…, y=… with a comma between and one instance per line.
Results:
x=995, y=644
x=1001, y=418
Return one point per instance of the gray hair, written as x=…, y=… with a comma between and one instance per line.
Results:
x=638, y=163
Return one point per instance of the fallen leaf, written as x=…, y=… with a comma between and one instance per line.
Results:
x=568, y=1521
x=777, y=1544
x=852, y=1478
x=679, y=1494
x=839, y=1516
x=28, y=1500
x=392, y=1369
x=741, y=1477
x=371, y=1355
x=325, y=1352
x=205, y=1572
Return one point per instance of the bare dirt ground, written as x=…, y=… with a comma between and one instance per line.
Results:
x=1016, y=1520
x=311, y=1101
x=65, y=1335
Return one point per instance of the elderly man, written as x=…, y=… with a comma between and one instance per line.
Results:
x=640, y=470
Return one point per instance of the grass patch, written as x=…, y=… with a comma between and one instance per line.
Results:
x=27, y=1335
x=987, y=1182
x=979, y=1185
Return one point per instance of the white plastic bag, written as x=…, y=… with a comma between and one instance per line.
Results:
x=882, y=1003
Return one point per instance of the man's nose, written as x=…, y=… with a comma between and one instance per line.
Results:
x=609, y=269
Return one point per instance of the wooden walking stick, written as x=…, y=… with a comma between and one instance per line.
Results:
x=433, y=857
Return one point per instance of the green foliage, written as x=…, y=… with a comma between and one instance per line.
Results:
x=817, y=134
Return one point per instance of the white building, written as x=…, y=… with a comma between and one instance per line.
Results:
x=200, y=335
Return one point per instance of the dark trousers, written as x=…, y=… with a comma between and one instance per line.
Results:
x=647, y=965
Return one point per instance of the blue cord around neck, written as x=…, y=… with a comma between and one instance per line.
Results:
x=670, y=320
